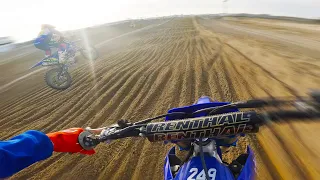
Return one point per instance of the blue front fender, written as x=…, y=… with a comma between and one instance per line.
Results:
x=38, y=64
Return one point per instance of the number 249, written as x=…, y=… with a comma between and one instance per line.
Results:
x=202, y=175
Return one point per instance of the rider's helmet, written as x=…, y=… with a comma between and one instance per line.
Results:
x=43, y=26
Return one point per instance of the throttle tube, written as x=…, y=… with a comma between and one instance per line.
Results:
x=296, y=115
x=256, y=103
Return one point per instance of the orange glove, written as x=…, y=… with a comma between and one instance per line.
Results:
x=67, y=141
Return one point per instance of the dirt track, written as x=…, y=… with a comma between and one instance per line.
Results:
x=150, y=71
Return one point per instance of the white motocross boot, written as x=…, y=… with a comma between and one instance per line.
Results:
x=72, y=60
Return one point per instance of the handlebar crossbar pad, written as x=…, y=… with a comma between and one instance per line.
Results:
x=204, y=127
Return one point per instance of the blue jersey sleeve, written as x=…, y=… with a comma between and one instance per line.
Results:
x=22, y=151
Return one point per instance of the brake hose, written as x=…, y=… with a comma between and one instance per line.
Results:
x=188, y=156
x=203, y=162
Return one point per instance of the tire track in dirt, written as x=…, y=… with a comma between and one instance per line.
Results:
x=31, y=108
x=78, y=109
x=71, y=109
x=43, y=112
x=41, y=166
x=246, y=86
x=201, y=88
x=151, y=97
x=137, y=110
x=209, y=53
x=204, y=63
x=18, y=99
x=231, y=88
x=25, y=100
x=138, y=73
x=51, y=90
x=211, y=67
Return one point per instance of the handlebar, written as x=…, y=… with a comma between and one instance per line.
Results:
x=68, y=41
x=212, y=126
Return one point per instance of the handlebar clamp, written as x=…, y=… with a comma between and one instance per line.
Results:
x=86, y=142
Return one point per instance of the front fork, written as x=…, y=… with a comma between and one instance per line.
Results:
x=64, y=68
x=209, y=147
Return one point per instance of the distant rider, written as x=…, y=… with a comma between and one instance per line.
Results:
x=32, y=146
x=48, y=38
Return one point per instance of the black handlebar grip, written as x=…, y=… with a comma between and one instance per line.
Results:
x=294, y=115
x=252, y=103
x=315, y=95
x=256, y=103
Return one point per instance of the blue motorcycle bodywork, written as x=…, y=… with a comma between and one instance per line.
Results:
x=40, y=63
x=193, y=168
x=55, y=55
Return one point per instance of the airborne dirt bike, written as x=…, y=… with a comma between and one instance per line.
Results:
x=58, y=77
x=203, y=129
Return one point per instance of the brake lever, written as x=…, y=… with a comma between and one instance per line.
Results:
x=124, y=123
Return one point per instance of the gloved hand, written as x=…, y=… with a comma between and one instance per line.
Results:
x=67, y=141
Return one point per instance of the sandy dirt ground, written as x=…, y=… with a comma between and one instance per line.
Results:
x=307, y=30
x=165, y=64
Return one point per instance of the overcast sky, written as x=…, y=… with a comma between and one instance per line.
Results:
x=22, y=18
